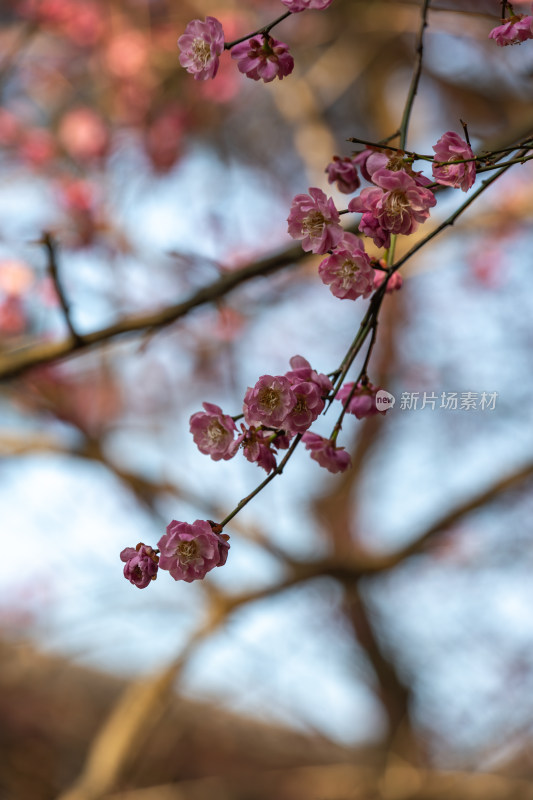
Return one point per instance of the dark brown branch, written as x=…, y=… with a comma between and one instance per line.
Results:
x=19, y=361
x=53, y=269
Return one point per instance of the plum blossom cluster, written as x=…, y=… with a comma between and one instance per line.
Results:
x=259, y=56
x=513, y=30
x=277, y=409
x=187, y=551
x=398, y=201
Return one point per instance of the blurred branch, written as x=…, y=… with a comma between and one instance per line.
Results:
x=53, y=270
x=19, y=361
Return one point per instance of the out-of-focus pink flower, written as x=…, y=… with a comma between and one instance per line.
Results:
x=83, y=134
x=451, y=147
x=86, y=23
x=324, y=451
x=362, y=402
x=314, y=218
x=37, y=147
x=45, y=11
x=302, y=5
x=213, y=432
x=188, y=551
x=347, y=271
x=515, y=30
x=127, y=54
x=164, y=137
x=13, y=319
x=16, y=276
x=395, y=281
x=141, y=565
x=258, y=448
x=343, y=172
x=269, y=401
x=302, y=371
x=201, y=45
x=10, y=128
x=263, y=58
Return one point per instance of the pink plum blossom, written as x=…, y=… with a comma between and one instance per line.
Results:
x=370, y=161
x=188, y=551
x=363, y=401
x=325, y=452
x=314, y=218
x=263, y=58
x=213, y=432
x=302, y=371
x=258, y=448
x=269, y=401
x=368, y=203
x=451, y=147
x=399, y=208
x=347, y=271
x=515, y=30
x=394, y=283
x=141, y=565
x=302, y=5
x=201, y=45
x=343, y=172
x=309, y=404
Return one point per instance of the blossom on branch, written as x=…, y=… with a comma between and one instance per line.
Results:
x=343, y=172
x=188, y=551
x=263, y=58
x=347, y=271
x=397, y=206
x=213, y=432
x=269, y=401
x=302, y=371
x=515, y=30
x=302, y=5
x=314, y=218
x=362, y=402
x=141, y=565
x=201, y=45
x=258, y=447
x=326, y=453
x=451, y=147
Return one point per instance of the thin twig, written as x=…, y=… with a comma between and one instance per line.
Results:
x=53, y=270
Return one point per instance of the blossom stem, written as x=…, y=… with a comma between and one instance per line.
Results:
x=277, y=471
x=416, y=76
x=264, y=30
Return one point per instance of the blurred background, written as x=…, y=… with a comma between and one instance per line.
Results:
x=371, y=635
